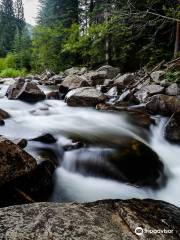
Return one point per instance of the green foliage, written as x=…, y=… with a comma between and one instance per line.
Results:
x=22, y=50
x=11, y=72
x=173, y=76
x=88, y=33
x=2, y=64
x=47, y=45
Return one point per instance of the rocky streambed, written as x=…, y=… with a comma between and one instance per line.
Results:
x=83, y=136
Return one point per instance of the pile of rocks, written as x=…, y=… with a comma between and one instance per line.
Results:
x=108, y=90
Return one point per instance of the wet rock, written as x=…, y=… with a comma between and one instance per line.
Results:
x=56, y=79
x=110, y=219
x=137, y=163
x=140, y=118
x=128, y=96
x=96, y=78
x=48, y=154
x=14, y=162
x=35, y=186
x=85, y=96
x=74, y=81
x=28, y=92
x=2, y=122
x=63, y=91
x=173, y=89
x=111, y=72
x=124, y=80
x=31, y=93
x=4, y=114
x=137, y=116
x=47, y=138
x=53, y=95
x=14, y=89
x=110, y=107
x=163, y=104
x=20, y=142
x=158, y=76
x=172, y=129
x=112, y=92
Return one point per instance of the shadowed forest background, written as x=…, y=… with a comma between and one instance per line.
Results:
x=127, y=34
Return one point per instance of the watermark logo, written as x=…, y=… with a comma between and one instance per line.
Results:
x=139, y=231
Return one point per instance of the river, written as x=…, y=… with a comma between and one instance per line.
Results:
x=101, y=130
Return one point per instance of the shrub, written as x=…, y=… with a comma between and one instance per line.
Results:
x=173, y=76
x=11, y=72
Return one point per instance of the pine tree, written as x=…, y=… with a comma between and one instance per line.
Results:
x=53, y=12
x=7, y=26
x=19, y=15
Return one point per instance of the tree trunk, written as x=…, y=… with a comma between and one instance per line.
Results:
x=107, y=14
x=177, y=41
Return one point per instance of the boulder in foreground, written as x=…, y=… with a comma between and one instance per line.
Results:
x=14, y=162
x=112, y=219
x=86, y=96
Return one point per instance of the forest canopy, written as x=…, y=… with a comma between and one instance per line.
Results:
x=127, y=34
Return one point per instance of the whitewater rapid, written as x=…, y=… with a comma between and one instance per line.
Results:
x=65, y=123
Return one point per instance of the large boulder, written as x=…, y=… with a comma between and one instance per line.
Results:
x=25, y=91
x=111, y=72
x=173, y=89
x=74, y=81
x=148, y=90
x=96, y=78
x=14, y=162
x=138, y=163
x=103, y=220
x=14, y=89
x=124, y=80
x=163, y=104
x=130, y=161
x=85, y=96
x=172, y=129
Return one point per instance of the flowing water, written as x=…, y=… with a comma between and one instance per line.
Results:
x=101, y=131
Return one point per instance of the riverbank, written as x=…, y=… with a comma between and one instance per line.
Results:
x=83, y=136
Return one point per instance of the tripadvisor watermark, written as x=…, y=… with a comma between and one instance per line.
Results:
x=140, y=231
